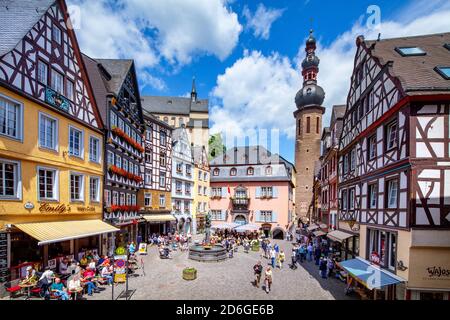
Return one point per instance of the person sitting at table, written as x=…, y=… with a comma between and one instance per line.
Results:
x=83, y=261
x=87, y=280
x=63, y=266
x=100, y=261
x=89, y=256
x=58, y=289
x=30, y=272
x=107, y=274
x=74, y=285
x=95, y=256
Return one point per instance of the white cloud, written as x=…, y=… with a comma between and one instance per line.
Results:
x=186, y=28
x=151, y=30
x=262, y=20
x=256, y=92
x=336, y=59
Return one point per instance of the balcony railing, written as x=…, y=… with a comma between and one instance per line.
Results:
x=240, y=203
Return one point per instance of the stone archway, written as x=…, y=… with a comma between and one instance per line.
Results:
x=278, y=233
x=240, y=219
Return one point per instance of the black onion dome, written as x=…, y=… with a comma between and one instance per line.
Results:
x=310, y=61
x=310, y=94
x=311, y=39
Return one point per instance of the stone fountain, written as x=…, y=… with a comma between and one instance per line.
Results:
x=207, y=252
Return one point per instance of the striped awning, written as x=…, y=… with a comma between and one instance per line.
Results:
x=338, y=235
x=158, y=217
x=57, y=231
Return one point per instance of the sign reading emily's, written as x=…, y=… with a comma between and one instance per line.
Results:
x=46, y=207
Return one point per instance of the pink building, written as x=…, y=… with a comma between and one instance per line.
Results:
x=251, y=185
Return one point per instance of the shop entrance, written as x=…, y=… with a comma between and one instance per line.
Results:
x=240, y=219
x=278, y=234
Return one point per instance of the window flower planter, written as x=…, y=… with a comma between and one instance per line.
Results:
x=124, y=173
x=119, y=132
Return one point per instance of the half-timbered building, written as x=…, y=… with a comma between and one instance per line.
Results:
x=117, y=94
x=394, y=160
x=328, y=168
x=51, y=155
x=155, y=198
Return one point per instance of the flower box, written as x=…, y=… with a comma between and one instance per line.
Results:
x=189, y=274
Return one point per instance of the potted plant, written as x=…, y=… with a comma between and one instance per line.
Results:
x=189, y=273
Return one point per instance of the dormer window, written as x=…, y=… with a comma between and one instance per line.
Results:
x=447, y=46
x=410, y=51
x=233, y=172
x=216, y=172
x=444, y=72
x=250, y=171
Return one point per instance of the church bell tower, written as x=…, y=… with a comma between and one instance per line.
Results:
x=308, y=118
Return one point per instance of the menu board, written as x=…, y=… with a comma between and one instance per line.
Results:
x=4, y=272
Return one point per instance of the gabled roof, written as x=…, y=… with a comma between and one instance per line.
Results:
x=151, y=117
x=117, y=70
x=17, y=18
x=98, y=86
x=337, y=112
x=416, y=73
x=173, y=105
x=199, y=155
x=249, y=155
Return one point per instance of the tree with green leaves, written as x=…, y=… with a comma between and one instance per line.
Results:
x=216, y=146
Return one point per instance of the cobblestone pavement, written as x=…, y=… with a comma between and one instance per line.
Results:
x=231, y=279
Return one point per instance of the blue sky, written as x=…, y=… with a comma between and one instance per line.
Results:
x=245, y=54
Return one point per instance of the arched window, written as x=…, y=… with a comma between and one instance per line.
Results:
x=250, y=171
x=216, y=172
x=166, y=119
x=233, y=172
x=268, y=171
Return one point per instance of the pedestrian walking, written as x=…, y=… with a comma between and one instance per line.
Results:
x=257, y=270
x=280, y=259
x=268, y=279
x=330, y=266
x=294, y=258
x=273, y=256
x=310, y=251
x=323, y=267
x=317, y=253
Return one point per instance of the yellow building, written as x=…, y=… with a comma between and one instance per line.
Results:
x=201, y=188
x=51, y=162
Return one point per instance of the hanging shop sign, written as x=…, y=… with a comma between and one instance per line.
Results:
x=29, y=205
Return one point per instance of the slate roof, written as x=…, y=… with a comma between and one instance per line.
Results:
x=17, y=18
x=416, y=73
x=248, y=155
x=156, y=120
x=173, y=105
x=97, y=84
x=118, y=70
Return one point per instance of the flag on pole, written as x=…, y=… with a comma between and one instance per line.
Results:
x=229, y=191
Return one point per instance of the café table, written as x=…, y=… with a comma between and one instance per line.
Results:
x=28, y=288
x=76, y=291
